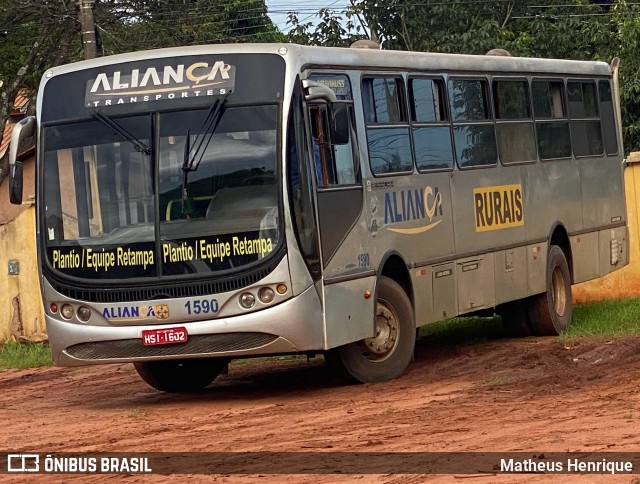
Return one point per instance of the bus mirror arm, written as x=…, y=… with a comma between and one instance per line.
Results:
x=314, y=91
x=22, y=131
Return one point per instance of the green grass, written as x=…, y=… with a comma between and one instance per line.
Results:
x=24, y=355
x=605, y=318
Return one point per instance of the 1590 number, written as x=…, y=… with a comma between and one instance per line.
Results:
x=202, y=306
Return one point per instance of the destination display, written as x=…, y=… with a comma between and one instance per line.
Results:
x=182, y=256
x=172, y=82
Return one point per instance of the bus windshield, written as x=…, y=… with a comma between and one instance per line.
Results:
x=203, y=199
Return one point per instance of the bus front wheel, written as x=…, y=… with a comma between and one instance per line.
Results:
x=387, y=354
x=180, y=375
x=550, y=312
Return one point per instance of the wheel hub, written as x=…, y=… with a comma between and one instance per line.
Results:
x=386, y=336
x=559, y=292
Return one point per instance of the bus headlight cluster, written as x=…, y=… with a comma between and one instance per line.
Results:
x=67, y=311
x=266, y=295
x=247, y=300
x=84, y=313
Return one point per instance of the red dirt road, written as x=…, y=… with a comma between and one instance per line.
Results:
x=534, y=395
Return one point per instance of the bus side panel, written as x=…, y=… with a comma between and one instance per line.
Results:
x=603, y=198
x=511, y=274
x=583, y=249
x=445, y=296
x=423, y=288
x=488, y=209
x=537, y=268
x=349, y=315
x=476, y=283
x=614, y=250
x=552, y=196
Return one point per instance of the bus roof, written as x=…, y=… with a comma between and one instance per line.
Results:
x=303, y=57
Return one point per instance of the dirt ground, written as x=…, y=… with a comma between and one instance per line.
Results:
x=533, y=395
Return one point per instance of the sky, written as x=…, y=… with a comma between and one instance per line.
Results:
x=278, y=9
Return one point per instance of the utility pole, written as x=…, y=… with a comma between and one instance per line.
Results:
x=88, y=29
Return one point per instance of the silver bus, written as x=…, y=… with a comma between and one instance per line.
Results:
x=200, y=204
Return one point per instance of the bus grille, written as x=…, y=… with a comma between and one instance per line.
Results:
x=197, y=344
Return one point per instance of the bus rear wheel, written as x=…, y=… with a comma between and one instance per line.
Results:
x=550, y=312
x=387, y=354
x=180, y=375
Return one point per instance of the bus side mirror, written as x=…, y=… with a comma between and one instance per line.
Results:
x=22, y=141
x=340, y=124
x=15, y=183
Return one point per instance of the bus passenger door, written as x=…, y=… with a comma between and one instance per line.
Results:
x=344, y=239
x=339, y=186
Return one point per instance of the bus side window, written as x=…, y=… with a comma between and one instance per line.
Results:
x=430, y=124
x=473, y=129
x=387, y=122
x=586, y=130
x=550, y=114
x=334, y=163
x=608, y=118
x=514, y=123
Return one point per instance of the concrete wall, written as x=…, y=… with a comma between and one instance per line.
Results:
x=21, y=311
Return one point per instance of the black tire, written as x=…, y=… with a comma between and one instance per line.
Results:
x=387, y=355
x=180, y=375
x=515, y=318
x=550, y=312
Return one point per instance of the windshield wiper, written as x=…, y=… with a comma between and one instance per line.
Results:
x=191, y=161
x=107, y=121
x=206, y=131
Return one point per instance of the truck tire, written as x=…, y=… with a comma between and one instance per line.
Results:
x=550, y=312
x=386, y=355
x=175, y=376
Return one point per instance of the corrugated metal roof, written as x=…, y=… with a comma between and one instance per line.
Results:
x=21, y=103
x=20, y=107
x=6, y=137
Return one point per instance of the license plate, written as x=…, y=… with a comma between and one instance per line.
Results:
x=167, y=336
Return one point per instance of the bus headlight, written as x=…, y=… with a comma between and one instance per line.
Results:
x=247, y=300
x=67, y=311
x=84, y=313
x=266, y=295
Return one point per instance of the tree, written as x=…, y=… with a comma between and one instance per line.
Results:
x=620, y=37
x=38, y=34
x=334, y=28
x=554, y=29
x=148, y=24
x=35, y=34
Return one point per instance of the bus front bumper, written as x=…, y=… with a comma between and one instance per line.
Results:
x=295, y=326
